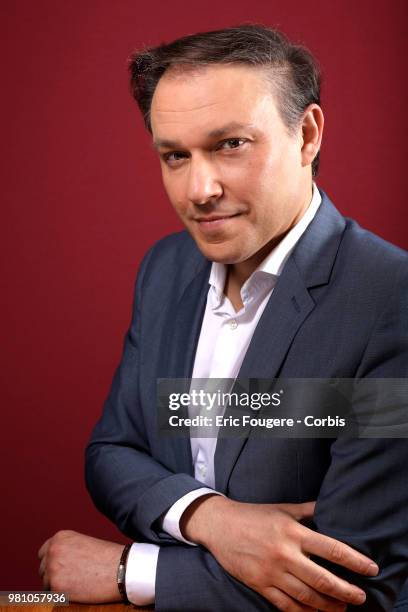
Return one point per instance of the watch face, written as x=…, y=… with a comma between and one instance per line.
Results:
x=121, y=574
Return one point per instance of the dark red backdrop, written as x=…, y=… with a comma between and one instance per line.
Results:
x=82, y=201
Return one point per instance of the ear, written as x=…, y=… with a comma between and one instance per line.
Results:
x=312, y=131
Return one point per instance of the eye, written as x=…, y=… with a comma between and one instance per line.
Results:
x=174, y=158
x=231, y=143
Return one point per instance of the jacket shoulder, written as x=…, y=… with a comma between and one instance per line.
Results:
x=175, y=245
x=172, y=261
x=373, y=255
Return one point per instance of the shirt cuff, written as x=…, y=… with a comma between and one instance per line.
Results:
x=140, y=579
x=171, y=520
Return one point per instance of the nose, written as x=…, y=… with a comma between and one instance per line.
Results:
x=204, y=182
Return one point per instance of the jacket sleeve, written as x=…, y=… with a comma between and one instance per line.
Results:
x=125, y=482
x=363, y=500
x=202, y=584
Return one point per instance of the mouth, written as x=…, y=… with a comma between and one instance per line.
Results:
x=213, y=223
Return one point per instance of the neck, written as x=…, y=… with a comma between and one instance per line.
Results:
x=239, y=272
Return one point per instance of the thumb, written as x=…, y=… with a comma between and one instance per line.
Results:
x=299, y=511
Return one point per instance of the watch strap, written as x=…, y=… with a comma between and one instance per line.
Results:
x=121, y=575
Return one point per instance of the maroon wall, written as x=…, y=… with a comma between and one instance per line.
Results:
x=82, y=201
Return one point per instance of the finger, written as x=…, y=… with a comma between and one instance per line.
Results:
x=42, y=568
x=284, y=602
x=322, y=581
x=304, y=594
x=46, y=582
x=338, y=552
x=42, y=551
x=299, y=511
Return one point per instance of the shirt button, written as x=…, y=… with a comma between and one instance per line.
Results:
x=203, y=470
x=233, y=324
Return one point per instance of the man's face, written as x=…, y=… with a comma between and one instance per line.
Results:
x=231, y=170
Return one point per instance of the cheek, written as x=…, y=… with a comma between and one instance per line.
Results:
x=272, y=180
x=253, y=184
x=244, y=180
x=180, y=209
x=174, y=190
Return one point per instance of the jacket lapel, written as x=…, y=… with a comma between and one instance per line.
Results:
x=287, y=308
x=309, y=265
x=178, y=356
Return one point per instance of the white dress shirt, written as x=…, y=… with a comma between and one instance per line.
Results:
x=224, y=340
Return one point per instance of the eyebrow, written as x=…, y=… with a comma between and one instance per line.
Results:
x=217, y=133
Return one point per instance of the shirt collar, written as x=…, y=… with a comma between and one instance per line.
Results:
x=217, y=282
x=272, y=265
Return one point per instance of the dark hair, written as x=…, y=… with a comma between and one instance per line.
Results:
x=295, y=73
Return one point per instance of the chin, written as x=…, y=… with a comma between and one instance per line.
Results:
x=227, y=251
x=220, y=255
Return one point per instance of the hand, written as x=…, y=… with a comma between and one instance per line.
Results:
x=268, y=549
x=83, y=567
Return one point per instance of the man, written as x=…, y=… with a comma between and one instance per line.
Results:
x=270, y=281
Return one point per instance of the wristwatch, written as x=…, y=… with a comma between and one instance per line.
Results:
x=121, y=575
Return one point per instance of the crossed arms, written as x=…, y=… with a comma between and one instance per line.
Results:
x=253, y=554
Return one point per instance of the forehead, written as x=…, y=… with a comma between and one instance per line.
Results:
x=206, y=97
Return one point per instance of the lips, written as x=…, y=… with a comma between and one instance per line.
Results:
x=214, y=223
x=214, y=218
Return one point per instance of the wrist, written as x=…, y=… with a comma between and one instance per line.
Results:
x=200, y=520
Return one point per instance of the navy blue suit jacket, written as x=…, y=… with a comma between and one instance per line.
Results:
x=339, y=309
